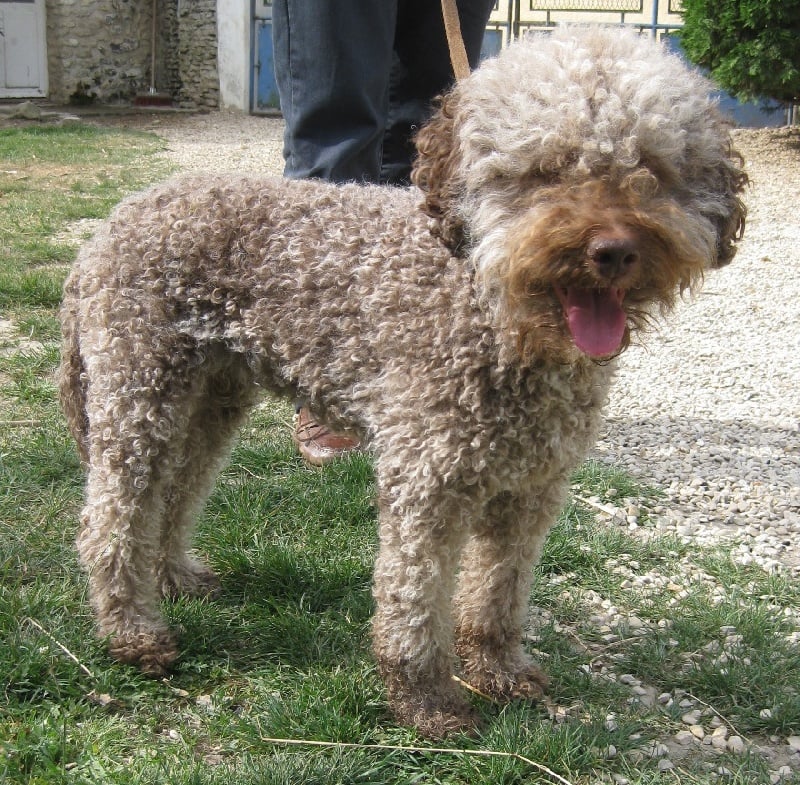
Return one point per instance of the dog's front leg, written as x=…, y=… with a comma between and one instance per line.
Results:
x=492, y=600
x=412, y=626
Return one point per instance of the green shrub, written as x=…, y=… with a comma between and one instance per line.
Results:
x=750, y=47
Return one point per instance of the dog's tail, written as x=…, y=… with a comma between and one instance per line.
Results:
x=71, y=377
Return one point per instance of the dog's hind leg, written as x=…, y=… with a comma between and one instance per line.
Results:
x=136, y=408
x=492, y=600
x=219, y=408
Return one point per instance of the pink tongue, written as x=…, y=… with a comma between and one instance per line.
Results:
x=595, y=319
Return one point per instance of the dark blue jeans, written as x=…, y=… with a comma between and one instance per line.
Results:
x=356, y=79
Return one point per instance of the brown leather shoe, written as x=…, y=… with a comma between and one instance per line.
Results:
x=317, y=444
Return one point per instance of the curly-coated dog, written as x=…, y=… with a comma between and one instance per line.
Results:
x=465, y=328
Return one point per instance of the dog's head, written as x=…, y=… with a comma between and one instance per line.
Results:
x=589, y=178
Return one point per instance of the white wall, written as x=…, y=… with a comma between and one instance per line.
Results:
x=233, y=35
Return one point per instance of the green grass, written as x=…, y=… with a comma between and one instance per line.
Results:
x=50, y=177
x=284, y=651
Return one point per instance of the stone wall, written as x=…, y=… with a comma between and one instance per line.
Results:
x=101, y=50
x=197, y=53
x=168, y=67
x=98, y=48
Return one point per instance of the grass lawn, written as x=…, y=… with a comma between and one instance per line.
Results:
x=635, y=630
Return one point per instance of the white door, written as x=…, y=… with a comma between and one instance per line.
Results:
x=23, y=52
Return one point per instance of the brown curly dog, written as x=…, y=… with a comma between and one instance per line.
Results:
x=464, y=328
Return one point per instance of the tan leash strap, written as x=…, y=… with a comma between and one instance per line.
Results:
x=455, y=41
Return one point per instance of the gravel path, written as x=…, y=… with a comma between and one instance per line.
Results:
x=708, y=411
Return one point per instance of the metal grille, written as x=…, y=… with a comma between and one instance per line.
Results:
x=512, y=18
x=614, y=6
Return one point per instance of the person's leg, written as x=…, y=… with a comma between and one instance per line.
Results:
x=421, y=71
x=318, y=444
x=332, y=62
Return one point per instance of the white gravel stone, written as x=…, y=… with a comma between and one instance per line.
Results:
x=697, y=731
x=720, y=732
x=719, y=743
x=684, y=737
x=691, y=717
x=736, y=745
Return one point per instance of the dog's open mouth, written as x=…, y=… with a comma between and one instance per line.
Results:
x=595, y=318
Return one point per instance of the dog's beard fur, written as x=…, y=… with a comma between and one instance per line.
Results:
x=548, y=255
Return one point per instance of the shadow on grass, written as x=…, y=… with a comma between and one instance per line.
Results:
x=281, y=609
x=294, y=549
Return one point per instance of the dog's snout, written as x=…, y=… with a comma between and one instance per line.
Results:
x=613, y=254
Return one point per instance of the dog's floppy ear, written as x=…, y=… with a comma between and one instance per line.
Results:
x=437, y=171
x=730, y=224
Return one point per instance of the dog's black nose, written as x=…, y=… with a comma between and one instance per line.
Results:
x=613, y=254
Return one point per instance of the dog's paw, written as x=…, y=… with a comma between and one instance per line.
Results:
x=435, y=718
x=503, y=677
x=189, y=578
x=505, y=686
x=433, y=704
x=153, y=653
